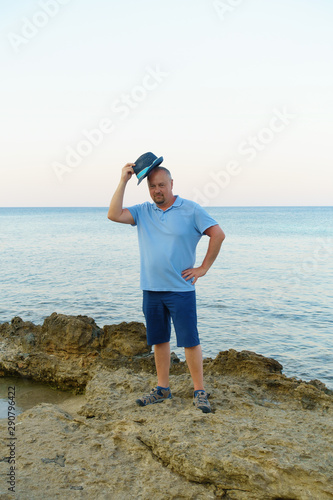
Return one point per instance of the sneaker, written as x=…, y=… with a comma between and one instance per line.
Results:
x=156, y=396
x=201, y=402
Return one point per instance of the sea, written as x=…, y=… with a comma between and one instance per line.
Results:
x=269, y=291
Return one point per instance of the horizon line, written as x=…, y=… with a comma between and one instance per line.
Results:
x=204, y=206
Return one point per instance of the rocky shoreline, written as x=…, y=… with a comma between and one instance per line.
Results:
x=269, y=437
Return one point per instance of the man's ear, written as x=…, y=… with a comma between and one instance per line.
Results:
x=171, y=183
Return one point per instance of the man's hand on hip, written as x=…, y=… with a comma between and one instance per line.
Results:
x=195, y=272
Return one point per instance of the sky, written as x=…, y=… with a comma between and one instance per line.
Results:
x=236, y=95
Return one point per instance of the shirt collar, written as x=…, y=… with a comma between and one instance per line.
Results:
x=178, y=201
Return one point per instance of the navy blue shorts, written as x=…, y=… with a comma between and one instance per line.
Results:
x=160, y=307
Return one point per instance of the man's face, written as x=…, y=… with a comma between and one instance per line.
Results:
x=160, y=187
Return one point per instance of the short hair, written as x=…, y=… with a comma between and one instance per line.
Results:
x=159, y=169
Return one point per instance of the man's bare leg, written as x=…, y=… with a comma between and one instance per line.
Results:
x=194, y=362
x=162, y=363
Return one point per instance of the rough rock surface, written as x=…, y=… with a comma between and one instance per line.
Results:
x=65, y=349
x=269, y=437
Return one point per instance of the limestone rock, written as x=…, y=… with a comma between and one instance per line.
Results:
x=245, y=363
x=66, y=350
x=69, y=335
x=127, y=339
x=254, y=446
x=268, y=437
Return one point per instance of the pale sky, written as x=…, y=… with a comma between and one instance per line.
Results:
x=236, y=95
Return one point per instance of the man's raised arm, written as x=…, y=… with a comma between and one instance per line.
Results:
x=116, y=211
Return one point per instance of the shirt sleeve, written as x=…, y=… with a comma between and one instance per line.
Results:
x=202, y=219
x=135, y=210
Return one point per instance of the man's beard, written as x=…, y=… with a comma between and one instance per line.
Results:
x=159, y=199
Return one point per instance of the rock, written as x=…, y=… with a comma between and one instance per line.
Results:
x=268, y=437
x=66, y=350
x=127, y=339
x=69, y=335
x=245, y=363
x=254, y=446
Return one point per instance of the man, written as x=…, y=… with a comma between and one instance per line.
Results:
x=168, y=231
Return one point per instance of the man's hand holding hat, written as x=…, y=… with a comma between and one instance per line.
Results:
x=127, y=172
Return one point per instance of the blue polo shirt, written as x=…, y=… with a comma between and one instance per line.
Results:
x=167, y=241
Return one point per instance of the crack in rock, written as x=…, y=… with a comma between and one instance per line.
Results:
x=59, y=460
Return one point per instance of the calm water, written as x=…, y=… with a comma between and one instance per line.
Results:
x=270, y=291
x=27, y=394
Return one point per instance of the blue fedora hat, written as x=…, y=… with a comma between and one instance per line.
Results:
x=144, y=164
